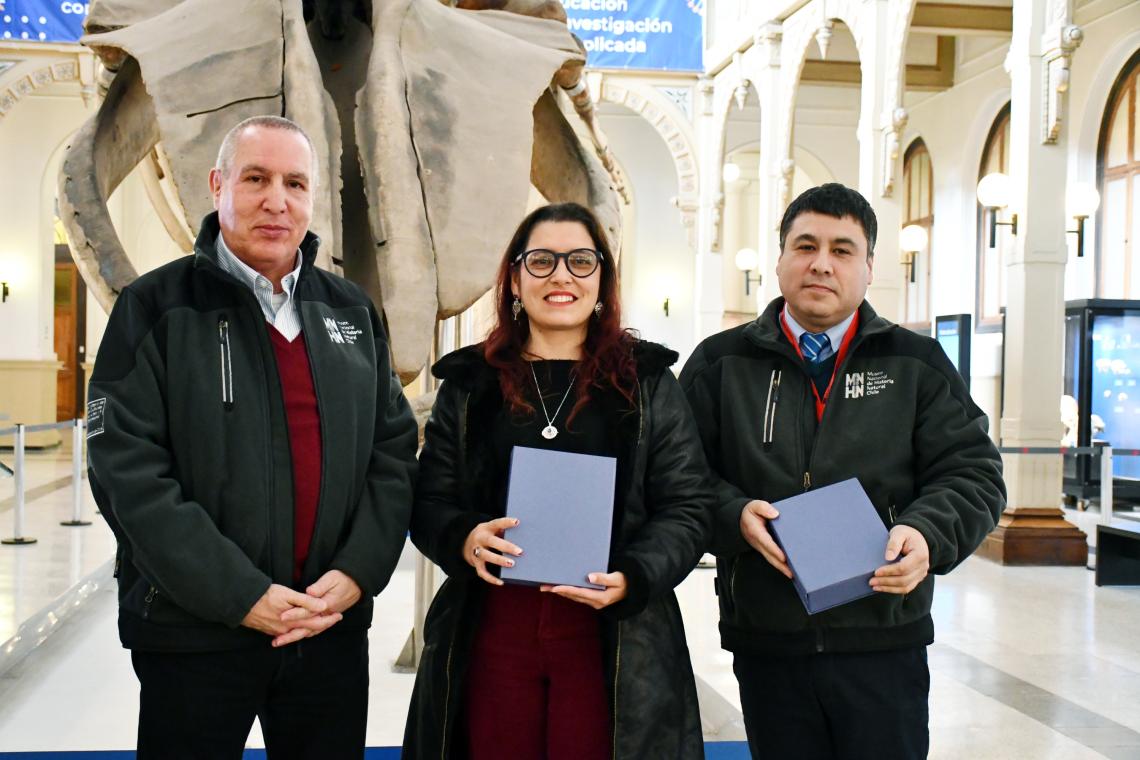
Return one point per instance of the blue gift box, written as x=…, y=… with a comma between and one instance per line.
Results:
x=565, y=505
x=834, y=541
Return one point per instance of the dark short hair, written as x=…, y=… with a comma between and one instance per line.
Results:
x=833, y=199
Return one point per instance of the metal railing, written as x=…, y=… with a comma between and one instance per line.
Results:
x=1106, y=454
x=19, y=471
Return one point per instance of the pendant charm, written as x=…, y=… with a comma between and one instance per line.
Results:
x=549, y=432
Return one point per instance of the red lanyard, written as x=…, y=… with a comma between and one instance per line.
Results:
x=821, y=403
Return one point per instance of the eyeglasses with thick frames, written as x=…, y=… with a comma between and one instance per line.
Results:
x=581, y=262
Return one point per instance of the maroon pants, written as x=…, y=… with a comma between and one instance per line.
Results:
x=535, y=687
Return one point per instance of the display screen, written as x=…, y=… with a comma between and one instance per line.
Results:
x=946, y=333
x=953, y=332
x=1115, y=396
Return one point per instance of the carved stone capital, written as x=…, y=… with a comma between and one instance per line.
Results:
x=787, y=174
x=1060, y=39
x=899, y=119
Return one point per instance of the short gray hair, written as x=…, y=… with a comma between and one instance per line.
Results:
x=225, y=160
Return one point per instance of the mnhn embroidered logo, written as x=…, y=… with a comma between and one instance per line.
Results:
x=853, y=385
x=335, y=334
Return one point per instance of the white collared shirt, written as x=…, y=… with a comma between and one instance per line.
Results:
x=835, y=333
x=280, y=309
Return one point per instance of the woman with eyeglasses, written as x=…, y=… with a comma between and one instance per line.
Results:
x=562, y=672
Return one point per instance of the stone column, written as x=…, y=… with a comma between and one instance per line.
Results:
x=1033, y=529
x=773, y=157
x=708, y=306
x=878, y=151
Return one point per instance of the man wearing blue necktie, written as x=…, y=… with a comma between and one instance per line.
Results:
x=817, y=390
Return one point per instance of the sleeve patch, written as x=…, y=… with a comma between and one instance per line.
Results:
x=95, y=416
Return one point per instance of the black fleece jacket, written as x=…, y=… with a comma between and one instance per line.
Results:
x=190, y=460
x=899, y=418
x=663, y=500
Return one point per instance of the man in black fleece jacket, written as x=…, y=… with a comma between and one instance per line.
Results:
x=817, y=390
x=253, y=452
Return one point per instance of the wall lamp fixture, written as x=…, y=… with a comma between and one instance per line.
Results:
x=912, y=240
x=746, y=260
x=993, y=193
x=1081, y=200
x=4, y=292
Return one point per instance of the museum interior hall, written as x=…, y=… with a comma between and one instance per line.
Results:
x=997, y=142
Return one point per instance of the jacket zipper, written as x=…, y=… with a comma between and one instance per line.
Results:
x=770, y=406
x=150, y=595
x=321, y=420
x=451, y=646
x=447, y=700
x=227, y=364
x=617, y=673
x=617, y=651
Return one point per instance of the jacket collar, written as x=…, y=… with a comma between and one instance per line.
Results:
x=205, y=246
x=765, y=330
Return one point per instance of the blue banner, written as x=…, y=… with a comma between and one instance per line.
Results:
x=42, y=20
x=663, y=35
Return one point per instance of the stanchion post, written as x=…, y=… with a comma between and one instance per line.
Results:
x=76, y=477
x=18, y=511
x=1106, y=485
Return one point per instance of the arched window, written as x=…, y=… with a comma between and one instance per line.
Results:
x=1118, y=167
x=918, y=208
x=991, y=274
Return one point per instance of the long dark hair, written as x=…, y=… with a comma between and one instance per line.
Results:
x=607, y=353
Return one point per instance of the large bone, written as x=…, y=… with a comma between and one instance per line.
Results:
x=562, y=168
x=201, y=92
x=101, y=154
x=449, y=99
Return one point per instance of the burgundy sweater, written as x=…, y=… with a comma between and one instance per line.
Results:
x=304, y=439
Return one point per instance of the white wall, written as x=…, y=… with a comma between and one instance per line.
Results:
x=656, y=258
x=824, y=127
x=30, y=138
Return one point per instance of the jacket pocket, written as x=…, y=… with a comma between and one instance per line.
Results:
x=226, y=364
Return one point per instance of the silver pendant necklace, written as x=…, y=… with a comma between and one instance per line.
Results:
x=550, y=431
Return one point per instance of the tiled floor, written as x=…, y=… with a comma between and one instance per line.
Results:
x=1029, y=663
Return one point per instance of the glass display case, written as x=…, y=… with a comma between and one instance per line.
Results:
x=1101, y=402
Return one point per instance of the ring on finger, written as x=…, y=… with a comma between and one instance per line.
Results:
x=477, y=549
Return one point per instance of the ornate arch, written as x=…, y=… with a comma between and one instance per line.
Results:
x=801, y=29
x=725, y=93
x=20, y=83
x=663, y=115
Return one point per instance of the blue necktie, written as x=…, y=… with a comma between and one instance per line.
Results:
x=814, y=346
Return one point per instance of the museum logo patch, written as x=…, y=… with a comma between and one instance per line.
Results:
x=860, y=384
x=342, y=331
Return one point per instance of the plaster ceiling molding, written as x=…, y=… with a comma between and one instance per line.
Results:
x=65, y=71
x=60, y=71
x=681, y=97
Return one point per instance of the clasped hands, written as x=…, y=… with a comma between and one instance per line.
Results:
x=485, y=545
x=899, y=577
x=290, y=616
